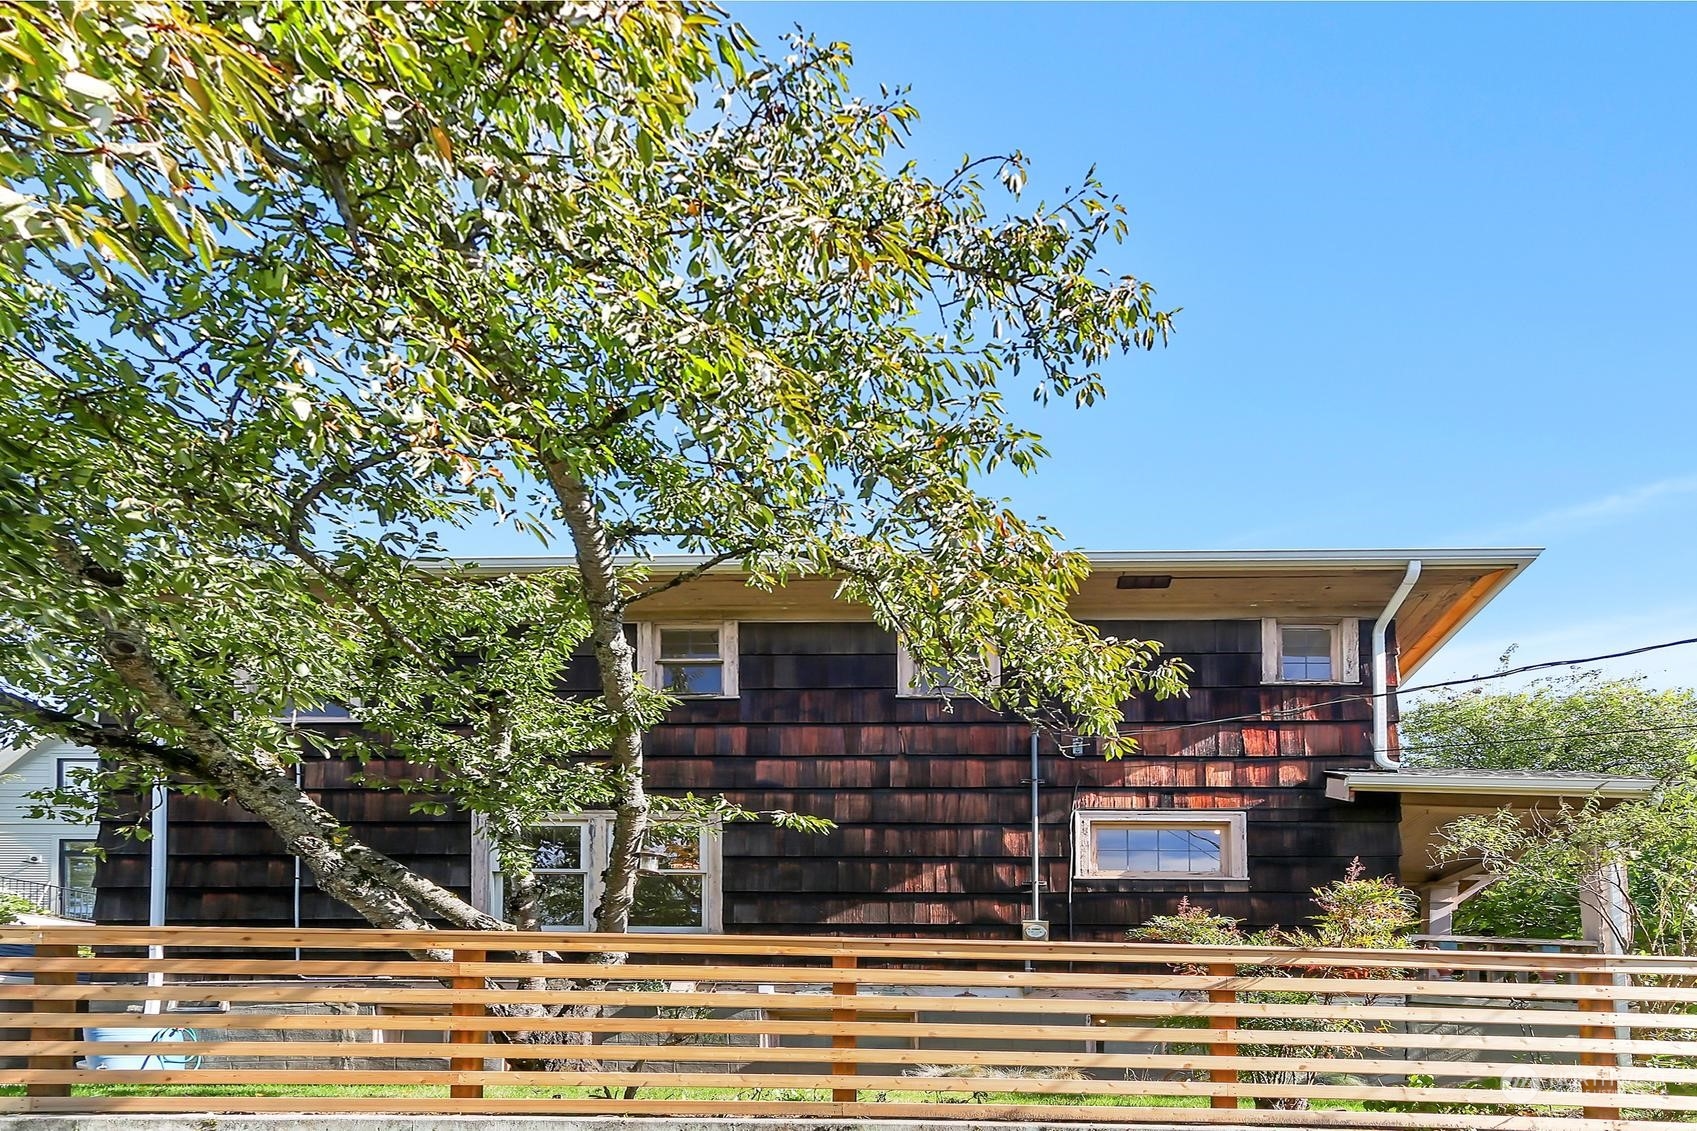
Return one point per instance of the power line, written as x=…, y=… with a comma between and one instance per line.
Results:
x=1369, y=696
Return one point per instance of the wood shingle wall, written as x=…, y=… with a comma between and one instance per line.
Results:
x=932, y=803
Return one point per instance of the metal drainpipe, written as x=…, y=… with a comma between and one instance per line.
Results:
x=1381, y=677
x=297, y=884
x=1036, y=835
x=159, y=860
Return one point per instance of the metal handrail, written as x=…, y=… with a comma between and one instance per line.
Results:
x=69, y=902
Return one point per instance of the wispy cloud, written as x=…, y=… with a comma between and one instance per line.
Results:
x=1599, y=512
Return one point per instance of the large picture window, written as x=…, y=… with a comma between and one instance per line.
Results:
x=678, y=889
x=1163, y=844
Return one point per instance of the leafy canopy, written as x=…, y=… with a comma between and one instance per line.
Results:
x=289, y=289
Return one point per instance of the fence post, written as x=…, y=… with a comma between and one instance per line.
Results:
x=43, y=1031
x=842, y=1067
x=1224, y=1048
x=467, y=1036
x=1597, y=1085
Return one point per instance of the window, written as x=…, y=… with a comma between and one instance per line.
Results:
x=76, y=879
x=914, y=681
x=690, y=660
x=562, y=881
x=677, y=890
x=1311, y=651
x=671, y=892
x=75, y=772
x=1164, y=844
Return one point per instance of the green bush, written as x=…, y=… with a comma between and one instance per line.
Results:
x=15, y=907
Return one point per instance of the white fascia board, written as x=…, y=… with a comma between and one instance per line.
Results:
x=1225, y=560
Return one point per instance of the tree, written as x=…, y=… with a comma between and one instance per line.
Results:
x=297, y=286
x=1576, y=722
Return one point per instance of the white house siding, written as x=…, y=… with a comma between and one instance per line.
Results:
x=22, y=838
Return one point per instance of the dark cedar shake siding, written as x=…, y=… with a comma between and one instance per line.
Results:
x=931, y=804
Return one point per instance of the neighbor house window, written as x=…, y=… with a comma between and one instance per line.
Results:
x=690, y=661
x=1310, y=651
x=1165, y=844
x=74, y=773
x=923, y=681
x=76, y=879
x=677, y=890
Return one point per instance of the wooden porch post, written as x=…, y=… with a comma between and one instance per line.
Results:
x=467, y=1036
x=51, y=1011
x=1596, y=1085
x=844, y=1068
x=1228, y=1048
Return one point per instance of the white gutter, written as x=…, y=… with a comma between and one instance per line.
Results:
x=1381, y=679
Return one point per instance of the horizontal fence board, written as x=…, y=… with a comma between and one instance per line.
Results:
x=729, y=999
x=755, y=1054
x=978, y=1113
x=973, y=979
x=1249, y=1089
x=1117, y=1033
x=805, y=946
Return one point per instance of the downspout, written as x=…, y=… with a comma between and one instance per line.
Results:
x=159, y=860
x=1381, y=679
x=1036, y=835
x=295, y=890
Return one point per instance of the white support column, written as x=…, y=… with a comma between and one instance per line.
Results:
x=1605, y=908
x=1441, y=902
x=1443, y=898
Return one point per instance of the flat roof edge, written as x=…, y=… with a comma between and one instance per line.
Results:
x=1102, y=559
x=1624, y=786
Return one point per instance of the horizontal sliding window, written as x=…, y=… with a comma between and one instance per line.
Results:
x=1159, y=844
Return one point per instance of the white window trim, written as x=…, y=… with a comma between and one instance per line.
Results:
x=1234, y=854
x=488, y=886
x=648, y=654
x=907, y=673
x=1346, y=648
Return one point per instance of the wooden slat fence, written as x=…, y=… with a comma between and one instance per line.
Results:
x=444, y=1022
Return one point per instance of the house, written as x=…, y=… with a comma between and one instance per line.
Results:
x=46, y=862
x=1274, y=773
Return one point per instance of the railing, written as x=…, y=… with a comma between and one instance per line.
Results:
x=68, y=902
x=456, y=1022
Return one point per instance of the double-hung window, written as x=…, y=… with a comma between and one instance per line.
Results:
x=1310, y=651
x=691, y=661
x=1159, y=844
x=676, y=890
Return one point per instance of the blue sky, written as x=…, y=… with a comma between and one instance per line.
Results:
x=1436, y=271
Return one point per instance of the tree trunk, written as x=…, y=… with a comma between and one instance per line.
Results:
x=613, y=652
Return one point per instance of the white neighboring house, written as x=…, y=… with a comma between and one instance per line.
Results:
x=46, y=862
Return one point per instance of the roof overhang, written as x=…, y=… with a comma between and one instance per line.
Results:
x=1430, y=801
x=1343, y=785
x=1454, y=584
